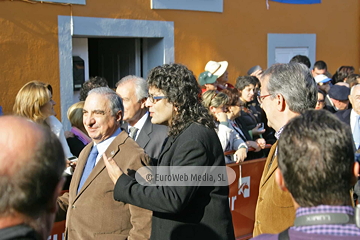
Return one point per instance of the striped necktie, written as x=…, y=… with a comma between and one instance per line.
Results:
x=132, y=132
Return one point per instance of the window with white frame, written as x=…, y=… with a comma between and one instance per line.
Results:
x=194, y=5
x=80, y=2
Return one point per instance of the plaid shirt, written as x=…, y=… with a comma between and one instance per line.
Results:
x=330, y=229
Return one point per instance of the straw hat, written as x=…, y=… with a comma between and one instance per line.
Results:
x=216, y=68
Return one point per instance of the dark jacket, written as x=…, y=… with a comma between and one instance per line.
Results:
x=344, y=116
x=184, y=212
x=151, y=138
x=19, y=232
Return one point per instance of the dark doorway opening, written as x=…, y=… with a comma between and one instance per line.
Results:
x=113, y=58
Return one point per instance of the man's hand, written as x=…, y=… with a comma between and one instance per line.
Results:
x=261, y=142
x=112, y=168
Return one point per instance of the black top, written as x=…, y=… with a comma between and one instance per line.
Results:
x=184, y=212
x=75, y=145
x=19, y=232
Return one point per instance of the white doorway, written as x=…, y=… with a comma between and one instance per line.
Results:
x=282, y=47
x=284, y=55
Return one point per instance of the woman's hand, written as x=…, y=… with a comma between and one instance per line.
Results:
x=254, y=145
x=255, y=131
x=261, y=142
x=240, y=154
x=112, y=168
x=69, y=134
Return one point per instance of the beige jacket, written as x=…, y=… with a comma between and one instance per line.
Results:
x=93, y=213
x=274, y=209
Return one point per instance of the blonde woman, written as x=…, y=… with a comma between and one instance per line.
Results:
x=229, y=139
x=79, y=138
x=34, y=101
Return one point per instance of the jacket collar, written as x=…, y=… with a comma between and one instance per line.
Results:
x=111, y=151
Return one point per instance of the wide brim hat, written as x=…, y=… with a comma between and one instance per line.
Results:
x=216, y=68
x=207, y=78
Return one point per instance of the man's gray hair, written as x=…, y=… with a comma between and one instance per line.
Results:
x=115, y=101
x=141, y=86
x=295, y=83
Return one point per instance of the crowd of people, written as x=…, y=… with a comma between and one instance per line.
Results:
x=174, y=120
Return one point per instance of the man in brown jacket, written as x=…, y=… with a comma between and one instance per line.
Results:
x=90, y=209
x=286, y=91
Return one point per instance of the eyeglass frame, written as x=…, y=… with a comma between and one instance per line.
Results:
x=155, y=99
x=261, y=98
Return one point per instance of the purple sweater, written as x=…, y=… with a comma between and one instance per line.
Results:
x=296, y=235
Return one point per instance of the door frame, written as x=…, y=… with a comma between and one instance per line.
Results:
x=69, y=27
x=292, y=41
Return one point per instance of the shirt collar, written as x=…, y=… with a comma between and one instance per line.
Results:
x=301, y=211
x=102, y=146
x=140, y=123
x=278, y=133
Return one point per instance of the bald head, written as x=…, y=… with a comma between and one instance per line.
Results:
x=31, y=165
x=20, y=139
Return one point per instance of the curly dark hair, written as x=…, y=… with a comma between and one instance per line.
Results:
x=179, y=84
x=93, y=82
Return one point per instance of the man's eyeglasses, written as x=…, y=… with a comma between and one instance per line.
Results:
x=155, y=99
x=261, y=98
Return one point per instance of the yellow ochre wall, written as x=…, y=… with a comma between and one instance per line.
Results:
x=29, y=39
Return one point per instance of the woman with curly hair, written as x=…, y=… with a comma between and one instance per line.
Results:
x=188, y=211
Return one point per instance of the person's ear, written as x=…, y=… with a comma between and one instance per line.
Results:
x=119, y=116
x=52, y=207
x=356, y=172
x=212, y=109
x=281, y=103
x=143, y=103
x=280, y=180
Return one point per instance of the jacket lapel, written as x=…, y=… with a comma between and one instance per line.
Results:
x=79, y=168
x=146, y=130
x=167, y=144
x=274, y=164
x=111, y=151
